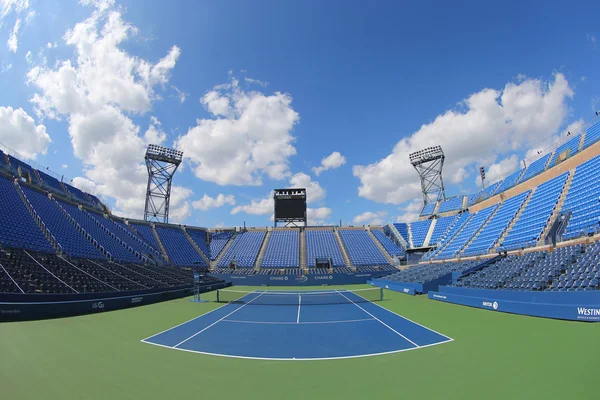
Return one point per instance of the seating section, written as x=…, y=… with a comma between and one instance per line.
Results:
x=199, y=237
x=15, y=163
x=283, y=250
x=509, y=182
x=178, y=248
x=17, y=227
x=402, y=228
x=360, y=247
x=583, y=200
x=244, y=249
x=419, y=231
x=442, y=226
x=428, y=272
x=51, y=183
x=322, y=244
x=28, y=275
x=451, y=204
x=389, y=246
x=218, y=240
x=565, y=269
x=591, y=135
x=472, y=226
x=145, y=232
x=428, y=208
x=569, y=148
x=134, y=240
x=535, y=216
x=535, y=168
x=488, y=235
x=491, y=190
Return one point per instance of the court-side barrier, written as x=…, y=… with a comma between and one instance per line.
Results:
x=300, y=280
x=411, y=287
x=576, y=306
x=18, y=307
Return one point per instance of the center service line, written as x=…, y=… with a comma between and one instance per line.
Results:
x=299, y=302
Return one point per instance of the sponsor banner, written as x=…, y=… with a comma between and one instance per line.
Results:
x=548, y=310
x=395, y=286
x=300, y=280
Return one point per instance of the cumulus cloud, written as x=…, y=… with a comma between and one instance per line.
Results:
x=314, y=191
x=500, y=170
x=249, y=136
x=491, y=123
x=257, y=207
x=96, y=90
x=207, y=202
x=410, y=212
x=19, y=132
x=332, y=161
x=29, y=57
x=370, y=218
x=13, y=40
x=318, y=216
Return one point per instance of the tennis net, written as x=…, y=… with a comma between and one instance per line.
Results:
x=266, y=297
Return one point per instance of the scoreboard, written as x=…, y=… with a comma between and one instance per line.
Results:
x=290, y=206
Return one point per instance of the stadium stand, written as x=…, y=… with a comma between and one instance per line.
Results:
x=51, y=183
x=583, y=200
x=535, y=168
x=442, y=226
x=428, y=208
x=568, y=149
x=535, y=216
x=360, y=248
x=509, y=182
x=283, y=250
x=218, y=240
x=15, y=163
x=244, y=249
x=17, y=227
x=322, y=244
x=178, y=248
x=392, y=248
x=592, y=135
x=136, y=242
x=402, y=229
x=428, y=272
x=145, y=232
x=472, y=226
x=199, y=237
x=419, y=231
x=451, y=204
x=488, y=236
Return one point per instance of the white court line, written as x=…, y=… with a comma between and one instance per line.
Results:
x=410, y=320
x=219, y=320
x=294, y=323
x=298, y=359
x=383, y=323
x=299, y=302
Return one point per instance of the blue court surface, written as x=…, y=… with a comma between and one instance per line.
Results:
x=298, y=326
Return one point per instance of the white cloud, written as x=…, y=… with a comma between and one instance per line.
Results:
x=491, y=124
x=459, y=175
x=314, y=191
x=332, y=161
x=64, y=166
x=256, y=82
x=95, y=90
x=5, y=67
x=29, y=57
x=19, y=132
x=13, y=40
x=155, y=133
x=257, y=207
x=318, y=216
x=52, y=45
x=370, y=218
x=181, y=95
x=207, y=202
x=591, y=38
x=499, y=170
x=248, y=137
x=411, y=211
x=8, y=6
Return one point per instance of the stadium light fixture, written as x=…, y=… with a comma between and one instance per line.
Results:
x=429, y=164
x=161, y=163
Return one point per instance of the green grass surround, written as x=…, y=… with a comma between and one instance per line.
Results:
x=493, y=356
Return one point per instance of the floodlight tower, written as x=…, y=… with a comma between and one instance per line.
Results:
x=429, y=164
x=162, y=164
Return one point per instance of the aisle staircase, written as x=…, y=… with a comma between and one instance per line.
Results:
x=382, y=249
x=263, y=250
x=345, y=255
x=514, y=221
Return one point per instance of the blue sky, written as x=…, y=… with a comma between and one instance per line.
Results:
x=257, y=93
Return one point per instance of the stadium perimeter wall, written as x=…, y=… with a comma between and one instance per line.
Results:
x=413, y=288
x=575, y=306
x=19, y=307
x=300, y=280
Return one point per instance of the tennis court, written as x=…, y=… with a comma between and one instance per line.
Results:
x=311, y=325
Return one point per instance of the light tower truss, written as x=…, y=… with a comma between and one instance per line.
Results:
x=162, y=164
x=429, y=164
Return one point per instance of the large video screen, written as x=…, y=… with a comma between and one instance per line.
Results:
x=290, y=208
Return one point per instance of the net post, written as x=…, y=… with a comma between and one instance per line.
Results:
x=380, y=294
x=218, y=296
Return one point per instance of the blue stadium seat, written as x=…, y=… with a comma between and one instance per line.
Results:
x=244, y=249
x=419, y=231
x=360, y=247
x=321, y=243
x=178, y=248
x=283, y=250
